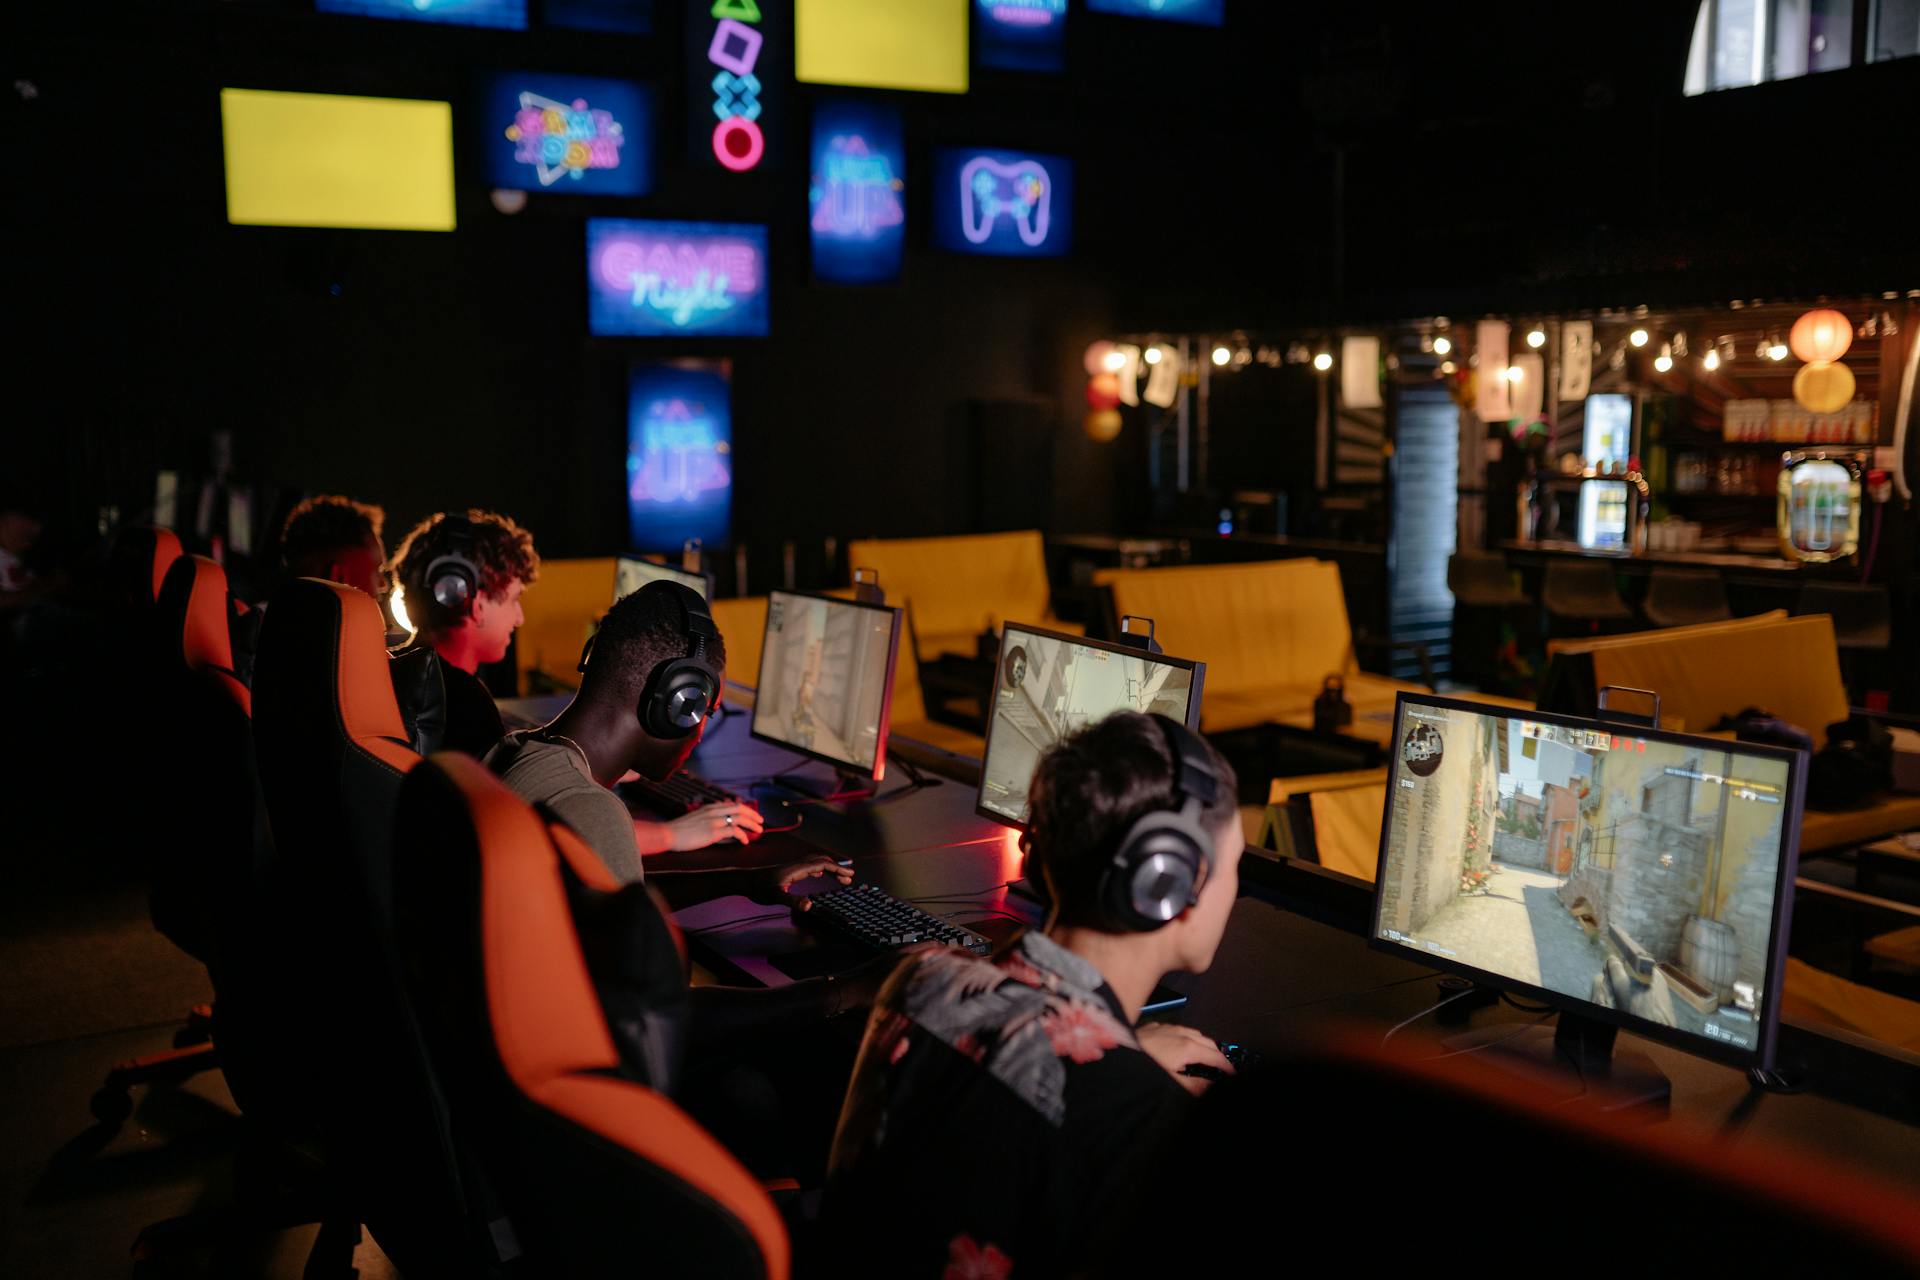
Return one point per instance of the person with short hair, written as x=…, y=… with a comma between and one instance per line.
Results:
x=332, y=536
x=1035, y=1056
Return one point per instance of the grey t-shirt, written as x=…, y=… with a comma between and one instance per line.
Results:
x=554, y=776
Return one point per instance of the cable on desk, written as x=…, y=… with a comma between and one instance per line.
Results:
x=1524, y=1028
x=984, y=915
x=961, y=897
x=1398, y=1027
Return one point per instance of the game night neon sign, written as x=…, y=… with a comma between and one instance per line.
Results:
x=733, y=54
x=650, y=278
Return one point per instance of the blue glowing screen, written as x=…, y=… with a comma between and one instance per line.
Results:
x=676, y=279
x=1207, y=13
x=856, y=201
x=575, y=134
x=626, y=17
x=469, y=13
x=1021, y=35
x=679, y=455
x=1002, y=202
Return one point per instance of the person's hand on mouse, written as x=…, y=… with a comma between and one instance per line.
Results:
x=773, y=886
x=1177, y=1048
x=714, y=824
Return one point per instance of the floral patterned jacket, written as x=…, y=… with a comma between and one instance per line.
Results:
x=1001, y=1118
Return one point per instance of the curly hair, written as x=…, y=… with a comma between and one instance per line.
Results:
x=324, y=524
x=502, y=552
x=643, y=629
x=1090, y=787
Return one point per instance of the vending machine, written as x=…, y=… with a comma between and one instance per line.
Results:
x=1817, y=512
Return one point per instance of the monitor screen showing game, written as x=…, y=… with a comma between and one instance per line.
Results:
x=1049, y=685
x=679, y=454
x=578, y=135
x=882, y=44
x=630, y=573
x=1628, y=874
x=1002, y=202
x=857, y=197
x=624, y=17
x=826, y=679
x=1021, y=35
x=510, y=14
x=326, y=160
x=676, y=279
x=1206, y=13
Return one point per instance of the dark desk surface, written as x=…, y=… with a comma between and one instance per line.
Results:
x=1277, y=974
x=1723, y=560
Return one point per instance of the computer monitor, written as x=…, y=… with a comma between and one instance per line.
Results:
x=1625, y=876
x=630, y=573
x=826, y=680
x=1048, y=685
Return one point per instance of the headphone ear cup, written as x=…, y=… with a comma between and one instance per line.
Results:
x=1155, y=872
x=680, y=696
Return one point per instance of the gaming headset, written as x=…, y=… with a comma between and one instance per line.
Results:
x=452, y=580
x=680, y=692
x=1157, y=870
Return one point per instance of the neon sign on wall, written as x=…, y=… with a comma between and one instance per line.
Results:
x=1206, y=13
x=511, y=14
x=679, y=454
x=857, y=195
x=1021, y=35
x=731, y=55
x=571, y=133
x=652, y=279
x=1003, y=202
x=629, y=17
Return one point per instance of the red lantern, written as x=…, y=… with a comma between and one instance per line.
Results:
x=1821, y=337
x=1103, y=392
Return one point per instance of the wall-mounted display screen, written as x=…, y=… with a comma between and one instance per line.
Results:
x=882, y=44
x=1206, y=13
x=1021, y=35
x=511, y=14
x=679, y=454
x=678, y=279
x=578, y=134
x=625, y=17
x=856, y=199
x=1015, y=203
x=324, y=160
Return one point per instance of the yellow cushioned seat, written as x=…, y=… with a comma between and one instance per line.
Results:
x=958, y=587
x=562, y=609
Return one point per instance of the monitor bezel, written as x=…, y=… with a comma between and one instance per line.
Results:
x=1193, y=665
x=706, y=578
x=1762, y=1053
x=878, y=771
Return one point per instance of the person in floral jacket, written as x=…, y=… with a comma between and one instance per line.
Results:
x=1004, y=1111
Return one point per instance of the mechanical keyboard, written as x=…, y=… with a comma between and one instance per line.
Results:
x=872, y=918
x=682, y=793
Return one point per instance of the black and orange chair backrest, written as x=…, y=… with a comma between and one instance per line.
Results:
x=599, y=1175
x=139, y=562
x=195, y=610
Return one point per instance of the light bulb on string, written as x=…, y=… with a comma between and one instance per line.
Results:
x=1323, y=361
x=1442, y=345
x=1536, y=337
x=1711, y=360
x=1221, y=355
x=1151, y=355
x=1638, y=337
x=1663, y=363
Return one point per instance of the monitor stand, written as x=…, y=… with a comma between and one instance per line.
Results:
x=846, y=785
x=1575, y=1059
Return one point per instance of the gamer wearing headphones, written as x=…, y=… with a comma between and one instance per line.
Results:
x=1033, y=1054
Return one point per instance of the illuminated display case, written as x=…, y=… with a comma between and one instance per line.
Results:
x=1817, y=510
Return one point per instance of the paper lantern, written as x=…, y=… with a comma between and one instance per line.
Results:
x=1103, y=391
x=1821, y=337
x=1823, y=387
x=1102, y=425
x=1096, y=358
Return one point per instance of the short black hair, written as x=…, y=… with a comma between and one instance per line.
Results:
x=1090, y=787
x=502, y=552
x=325, y=524
x=643, y=629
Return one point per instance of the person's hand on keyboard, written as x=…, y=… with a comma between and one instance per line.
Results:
x=714, y=824
x=773, y=886
x=1178, y=1048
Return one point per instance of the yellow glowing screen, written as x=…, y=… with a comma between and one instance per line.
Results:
x=322, y=160
x=882, y=44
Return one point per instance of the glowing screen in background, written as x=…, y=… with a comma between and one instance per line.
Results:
x=679, y=454
x=1206, y=13
x=511, y=14
x=1021, y=35
x=654, y=279
x=627, y=17
x=323, y=160
x=856, y=201
x=1002, y=202
x=576, y=134
x=882, y=44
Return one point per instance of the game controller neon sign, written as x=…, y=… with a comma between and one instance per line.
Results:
x=564, y=141
x=681, y=281
x=858, y=195
x=990, y=190
x=681, y=455
x=738, y=143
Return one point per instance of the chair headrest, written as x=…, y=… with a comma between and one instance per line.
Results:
x=194, y=612
x=323, y=659
x=141, y=557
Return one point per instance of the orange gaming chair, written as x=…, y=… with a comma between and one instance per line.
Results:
x=139, y=562
x=331, y=751
x=598, y=1175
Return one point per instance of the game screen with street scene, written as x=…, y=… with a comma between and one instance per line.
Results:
x=630, y=573
x=1635, y=874
x=826, y=677
x=1049, y=686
